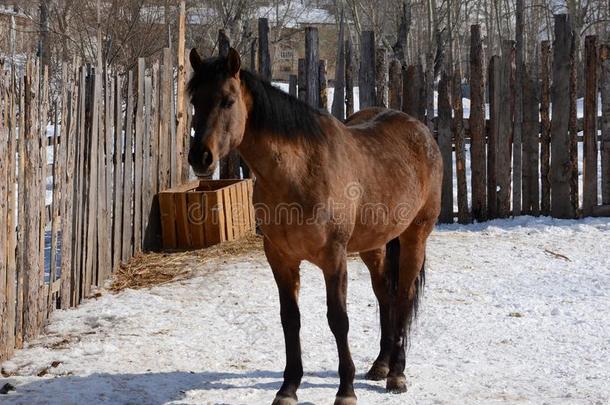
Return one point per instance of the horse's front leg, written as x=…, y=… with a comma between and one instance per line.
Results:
x=334, y=266
x=286, y=273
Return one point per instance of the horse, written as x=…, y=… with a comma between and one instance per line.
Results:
x=371, y=185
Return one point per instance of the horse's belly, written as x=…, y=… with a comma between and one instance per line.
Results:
x=374, y=227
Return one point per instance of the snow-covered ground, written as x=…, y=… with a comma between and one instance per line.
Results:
x=515, y=311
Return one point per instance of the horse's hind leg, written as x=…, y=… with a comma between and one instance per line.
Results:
x=375, y=262
x=286, y=273
x=410, y=282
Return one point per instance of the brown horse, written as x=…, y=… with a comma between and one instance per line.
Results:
x=324, y=189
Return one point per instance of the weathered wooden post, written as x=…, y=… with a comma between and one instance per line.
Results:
x=460, y=145
x=292, y=85
x=545, y=128
x=381, y=78
x=477, y=126
x=395, y=85
x=366, y=76
x=561, y=206
x=322, y=86
x=604, y=54
x=349, y=79
x=302, y=91
x=589, y=192
x=531, y=128
x=264, y=59
x=312, y=60
x=446, y=145
x=505, y=125
x=338, y=107
x=494, y=83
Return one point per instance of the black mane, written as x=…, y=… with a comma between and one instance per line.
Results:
x=273, y=110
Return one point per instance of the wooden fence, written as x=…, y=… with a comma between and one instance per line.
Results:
x=78, y=197
x=517, y=166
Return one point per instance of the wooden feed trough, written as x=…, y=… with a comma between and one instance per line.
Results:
x=203, y=213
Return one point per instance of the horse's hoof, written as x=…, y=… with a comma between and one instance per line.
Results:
x=284, y=401
x=346, y=401
x=396, y=384
x=377, y=373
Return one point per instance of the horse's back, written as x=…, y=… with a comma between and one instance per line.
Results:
x=377, y=125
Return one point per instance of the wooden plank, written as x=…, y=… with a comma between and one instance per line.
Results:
x=103, y=268
x=79, y=194
x=561, y=206
x=127, y=242
x=531, y=125
x=138, y=158
x=366, y=76
x=349, y=78
x=4, y=185
x=119, y=142
x=246, y=202
x=21, y=269
x=238, y=210
x=445, y=145
x=235, y=215
x=312, y=60
x=589, y=192
x=168, y=220
x=381, y=78
x=604, y=55
x=59, y=158
x=31, y=212
x=148, y=175
x=545, y=131
x=505, y=124
x=153, y=237
x=460, y=153
x=11, y=244
x=92, y=191
x=165, y=116
x=492, y=135
x=264, y=58
x=109, y=110
x=214, y=201
x=227, y=203
x=42, y=119
x=68, y=224
x=250, y=205
x=395, y=85
x=183, y=237
x=477, y=126
x=195, y=219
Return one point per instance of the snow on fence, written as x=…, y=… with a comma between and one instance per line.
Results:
x=103, y=210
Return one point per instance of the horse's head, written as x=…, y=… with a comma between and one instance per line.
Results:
x=220, y=110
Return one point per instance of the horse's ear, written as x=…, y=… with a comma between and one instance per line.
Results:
x=195, y=59
x=233, y=63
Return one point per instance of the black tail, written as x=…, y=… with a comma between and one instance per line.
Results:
x=392, y=257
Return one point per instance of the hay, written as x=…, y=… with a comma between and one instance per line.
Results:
x=152, y=269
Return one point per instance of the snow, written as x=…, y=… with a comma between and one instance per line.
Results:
x=514, y=311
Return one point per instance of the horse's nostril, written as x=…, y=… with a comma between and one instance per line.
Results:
x=207, y=157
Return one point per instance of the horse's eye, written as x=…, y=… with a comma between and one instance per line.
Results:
x=227, y=103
